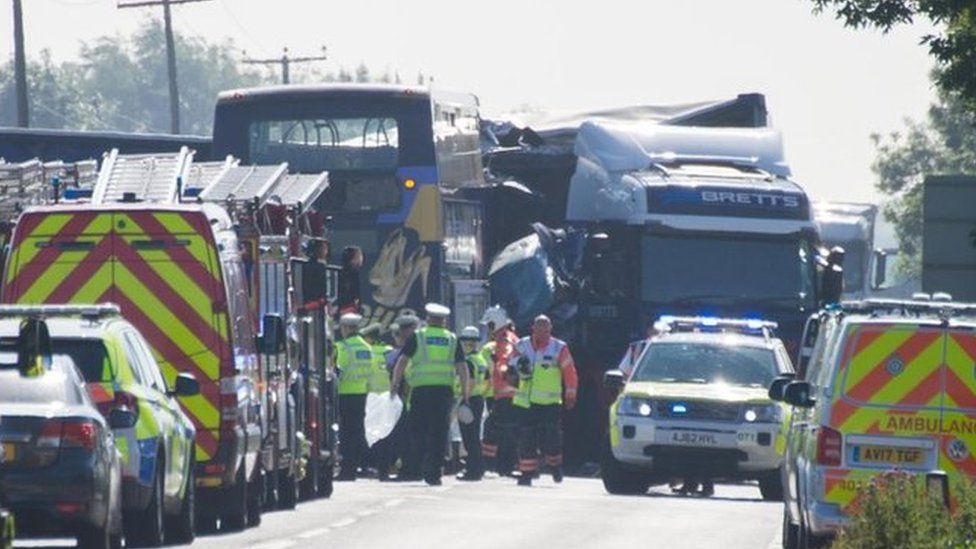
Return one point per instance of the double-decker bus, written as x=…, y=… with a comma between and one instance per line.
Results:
x=399, y=159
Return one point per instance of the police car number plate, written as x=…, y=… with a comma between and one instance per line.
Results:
x=893, y=455
x=693, y=438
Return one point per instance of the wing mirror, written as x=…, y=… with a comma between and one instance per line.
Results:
x=121, y=418
x=880, y=269
x=778, y=387
x=798, y=394
x=614, y=379
x=186, y=386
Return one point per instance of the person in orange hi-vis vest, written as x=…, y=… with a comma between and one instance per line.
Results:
x=499, y=441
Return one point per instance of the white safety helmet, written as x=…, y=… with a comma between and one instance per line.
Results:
x=496, y=315
x=470, y=332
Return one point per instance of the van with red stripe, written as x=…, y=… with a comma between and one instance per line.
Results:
x=885, y=386
x=177, y=273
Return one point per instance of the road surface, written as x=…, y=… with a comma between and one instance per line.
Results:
x=497, y=514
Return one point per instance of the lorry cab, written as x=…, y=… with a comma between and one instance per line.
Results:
x=888, y=386
x=176, y=272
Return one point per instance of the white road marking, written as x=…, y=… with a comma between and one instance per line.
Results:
x=367, y=513
x=343, y=523
x=318, y=532
x=283, y=544
x=394, y=502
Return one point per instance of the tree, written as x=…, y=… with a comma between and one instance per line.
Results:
x=954, y=47
x=944, y=144
x=120, y=84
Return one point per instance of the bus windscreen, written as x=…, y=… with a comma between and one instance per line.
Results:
x=327, y=143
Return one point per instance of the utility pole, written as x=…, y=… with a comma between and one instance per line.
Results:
x=285, y=62
x=174, y=89
x=20, y=67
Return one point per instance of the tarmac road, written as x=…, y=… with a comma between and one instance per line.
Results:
x=496, y=513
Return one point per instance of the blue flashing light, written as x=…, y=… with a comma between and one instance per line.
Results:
x=709, y=322
x=679, y=408
x=76, y=194
x=192, y=192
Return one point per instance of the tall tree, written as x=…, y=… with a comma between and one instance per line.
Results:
x=953, y=46
x=944, y=144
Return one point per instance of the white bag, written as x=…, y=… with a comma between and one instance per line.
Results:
x=382, y=415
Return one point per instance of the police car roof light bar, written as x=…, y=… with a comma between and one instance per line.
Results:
x=731, y=325
x=94, y=311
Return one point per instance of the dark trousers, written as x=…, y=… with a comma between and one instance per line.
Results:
x=430, y=409
x=471, y=436
x=501, y=434
x=540, y=429
x=352, y=432
x=394, y=446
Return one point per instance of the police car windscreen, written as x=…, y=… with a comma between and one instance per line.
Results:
x=707, y=363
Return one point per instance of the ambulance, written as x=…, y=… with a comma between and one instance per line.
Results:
x=889, y=385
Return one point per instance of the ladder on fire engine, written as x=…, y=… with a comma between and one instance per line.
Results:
x=142, y=177
x=200, y=175
x=299, y=190
x=245, y=184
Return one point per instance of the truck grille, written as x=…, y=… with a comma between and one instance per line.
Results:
x=697, y=410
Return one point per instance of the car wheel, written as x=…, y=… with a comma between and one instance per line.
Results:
x=145, y=528
x=235, y=501
x=791, y=532
x=181, y=529
x=287, y=491
x=619, y=480
x=771, y=486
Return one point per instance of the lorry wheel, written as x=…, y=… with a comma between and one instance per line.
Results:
x=309, y=487
x=94, y=537
x=771, y=486
x=619, y=480
x=271, y=490
x=255, y=499
x=181, y=529
x=287, y=491
x=325, y=479
x=235, y=503
x=144, y=528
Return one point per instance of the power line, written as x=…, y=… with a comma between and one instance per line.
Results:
x=174, y=93
x=285, y=61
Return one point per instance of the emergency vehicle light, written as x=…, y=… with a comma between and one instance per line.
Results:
x=85, y=311
x=713, y=324
x=77, y=194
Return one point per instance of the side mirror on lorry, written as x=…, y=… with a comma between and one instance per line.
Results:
x=778, y=387
x=798, y=393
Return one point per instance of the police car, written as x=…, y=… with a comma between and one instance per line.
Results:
x=696, y=406
x=888, y=386
x=152, y=433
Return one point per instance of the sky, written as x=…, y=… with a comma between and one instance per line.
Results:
x=827, y=88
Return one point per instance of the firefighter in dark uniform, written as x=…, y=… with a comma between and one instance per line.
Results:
x=435, y=358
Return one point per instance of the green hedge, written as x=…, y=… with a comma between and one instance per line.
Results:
x=895, y=511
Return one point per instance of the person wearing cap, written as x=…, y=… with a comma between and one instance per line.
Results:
x=470, y=417
x=435, y=358
x=403, y=446
x=354, y=360
x=547, y=383
x=498, y=445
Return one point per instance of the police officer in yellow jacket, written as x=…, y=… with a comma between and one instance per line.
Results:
x=354, y=359
x=480, y=384
x=435, y=358
x=379, y=379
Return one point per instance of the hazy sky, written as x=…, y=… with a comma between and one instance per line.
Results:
x=827, y=88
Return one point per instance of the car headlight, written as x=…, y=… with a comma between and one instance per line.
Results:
x=762, y=413
x=635, y=406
